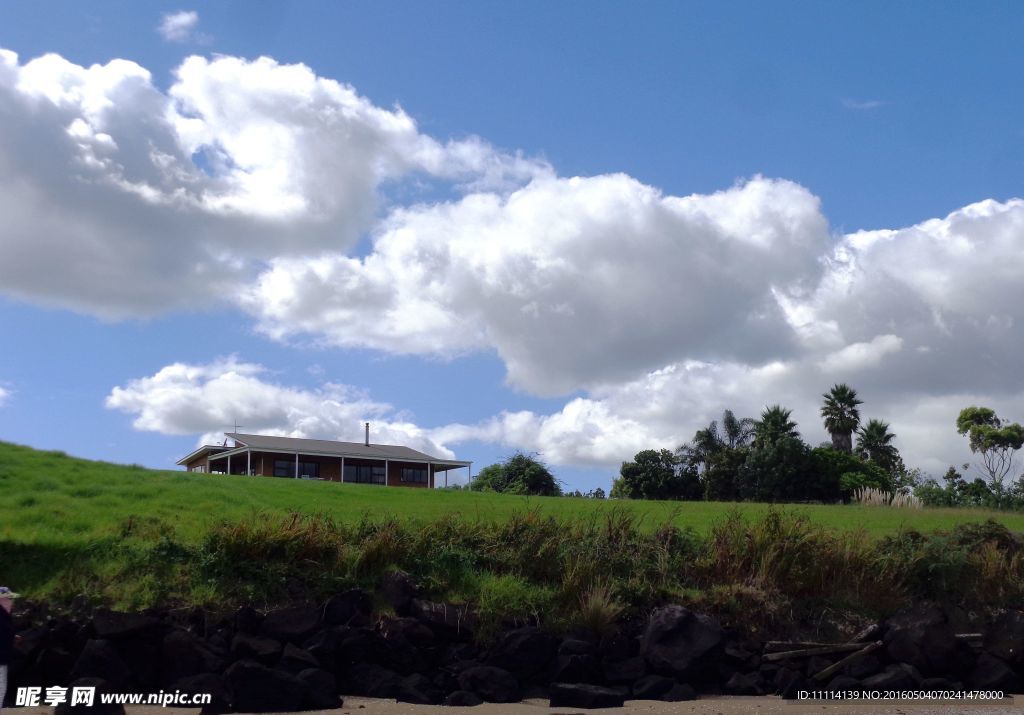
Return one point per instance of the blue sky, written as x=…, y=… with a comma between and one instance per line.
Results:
x=581, y=319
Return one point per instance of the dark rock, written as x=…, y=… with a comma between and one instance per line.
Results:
x=292, y=625
x=248, y=620
x=321, y=690
x=462, y=699
x=745, y=684
x=894, y=677
x=295, y=659
x=796, y=684
x=1004, y=638
x=524, y=651
x=352, y=608
x=98, y=707
x=618, y=672
x=361, y=645
x=420, y=689
x=143, y=660
x=652, y=687
x=184, y=654
x=843, y=682
x=864, y=667
x=679, y=642
x=921, y=636
x=444, y=619
x=397, y=589
x=576, y=646
x=259, y=689
x=262, y=650
x=98, y=659
x=936, y=684
x=574, y=669
x=494, y=685
x=991, y=673
x=816, y=664
x=206, y=683
x=410, y=630
x=323, y=645
x=370, y=680
x=680, y=692
x=584, y=695
x=114, y=625
x=54, y=666
x=618, y=646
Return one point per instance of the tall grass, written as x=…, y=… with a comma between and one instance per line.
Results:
x=871, y=496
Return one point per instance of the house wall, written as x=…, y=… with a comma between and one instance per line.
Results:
x=262, y=464
x=198, y=462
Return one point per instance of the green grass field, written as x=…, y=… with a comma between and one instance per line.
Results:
x=48, y=497
x=133, y=537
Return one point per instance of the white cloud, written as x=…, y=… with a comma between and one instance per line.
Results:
x=862, y=104
x=5, y=395
x=211, y=398
x=178, y=26
x=572, y=281
x=250, y=182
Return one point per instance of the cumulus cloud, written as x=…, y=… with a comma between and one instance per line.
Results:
x=249, y=183
x=122, y=200
x=178, y=26
x=210, y=398
x=572, y=281
x=5, y=395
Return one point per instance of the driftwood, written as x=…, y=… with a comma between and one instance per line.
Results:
x=807, y=652
x=970, y=636
x=776, y=646
x=839, y=665
x=867, y=634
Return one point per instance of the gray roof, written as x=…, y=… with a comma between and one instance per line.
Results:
x=269, y=443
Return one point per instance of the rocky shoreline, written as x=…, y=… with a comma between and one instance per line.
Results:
x=311, y=656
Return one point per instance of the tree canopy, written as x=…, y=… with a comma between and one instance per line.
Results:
x=519, y=474
x=841, y=415
x=994, y=439
x=657, y=474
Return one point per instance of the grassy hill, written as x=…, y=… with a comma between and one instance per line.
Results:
x=134, y=537
x=51, y=497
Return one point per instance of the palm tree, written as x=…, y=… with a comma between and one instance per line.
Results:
x=774, y=425
x=738, y=432
x=707, y=442
x=874, y=442
x=841, y=415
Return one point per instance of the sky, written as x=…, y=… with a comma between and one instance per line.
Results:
x=577, y=229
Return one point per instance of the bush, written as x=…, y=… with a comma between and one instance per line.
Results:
x=519, y=474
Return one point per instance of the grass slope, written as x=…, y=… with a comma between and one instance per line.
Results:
x=132, y=537
x=49, y=497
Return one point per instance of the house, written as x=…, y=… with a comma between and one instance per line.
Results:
x=289, y=457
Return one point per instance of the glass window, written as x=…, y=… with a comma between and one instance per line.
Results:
x=364, y=474
x=415, y=475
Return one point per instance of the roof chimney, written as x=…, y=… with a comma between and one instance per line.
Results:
x=367, y=434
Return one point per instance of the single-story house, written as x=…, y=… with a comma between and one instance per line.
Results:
x=267, y=456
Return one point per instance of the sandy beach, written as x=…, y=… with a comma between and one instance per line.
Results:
x=768, y=705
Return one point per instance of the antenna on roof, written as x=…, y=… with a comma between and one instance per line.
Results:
x=237, y=425
x=367, y=434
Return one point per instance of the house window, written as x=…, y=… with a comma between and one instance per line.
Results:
x=198, y=468
x=365, y=474
x=286, y=468
x=414, y=475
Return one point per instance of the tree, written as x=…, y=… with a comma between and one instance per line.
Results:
x=996, y=442
x=657, y=474
x=722, y=474
x=711, y=441
x=841, y=415
x=519, y=474
x=774, y=425
x=840, y=474
x=781, y=470
x=874, y=442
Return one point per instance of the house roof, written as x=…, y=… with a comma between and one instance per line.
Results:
x=268, y=443
x=199, y=452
